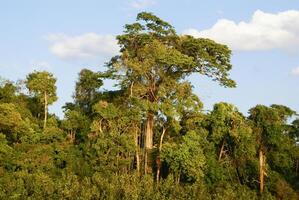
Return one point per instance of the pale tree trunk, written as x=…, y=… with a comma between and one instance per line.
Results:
x=262, y=170
x=149, y=133
x=46, y=109
x=137, y=152
x=177, y=178
x=101, y=130
x=72, y=136
x=221, y=150
x=158, y=161
x=161, y=139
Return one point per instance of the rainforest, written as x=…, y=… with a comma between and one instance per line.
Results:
x=149, y=138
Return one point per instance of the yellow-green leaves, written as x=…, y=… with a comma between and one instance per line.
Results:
x=210, y=58
x=12, y=124
x=40, y=83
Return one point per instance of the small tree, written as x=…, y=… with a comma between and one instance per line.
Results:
x=86, y=87
x=73, y=122
x=42, y=85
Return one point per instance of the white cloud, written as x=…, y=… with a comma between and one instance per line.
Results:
x=89, y=45
x=141, y=4
x=295, y=71
x=264, y=31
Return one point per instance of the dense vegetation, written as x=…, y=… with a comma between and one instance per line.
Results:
x=150, y=139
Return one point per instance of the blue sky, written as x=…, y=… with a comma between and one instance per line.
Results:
x=64, y=36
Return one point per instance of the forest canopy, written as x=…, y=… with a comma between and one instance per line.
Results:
x=149, y=138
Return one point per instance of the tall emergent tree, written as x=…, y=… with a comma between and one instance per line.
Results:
x=270, y=132
x=154, y=63
x=42, y=85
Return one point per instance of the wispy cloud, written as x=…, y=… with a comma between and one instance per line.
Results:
x=89, y=45
x=39, y=65
x=265, y=31
x=295, y=71
x=141, y=4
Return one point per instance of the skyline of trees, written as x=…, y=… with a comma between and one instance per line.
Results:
x=149, y=138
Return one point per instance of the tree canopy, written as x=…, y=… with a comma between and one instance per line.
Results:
x=150, y=138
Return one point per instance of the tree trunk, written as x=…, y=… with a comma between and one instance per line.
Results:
x=101, y=130
x=262, y=163
x=46, y=109
x=137, y=152
x=73, y=136
x=145, y=162
x=221, y=150
x=178, y=175
x=149, y=133
x=161, y=139
x=158, y=160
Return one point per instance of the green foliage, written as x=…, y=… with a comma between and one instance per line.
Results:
x=86, y=89
x=76, y=123
x=7, y=92
x=40, y=83
x=98, y=150
x=12, y=124
x=185, y=159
